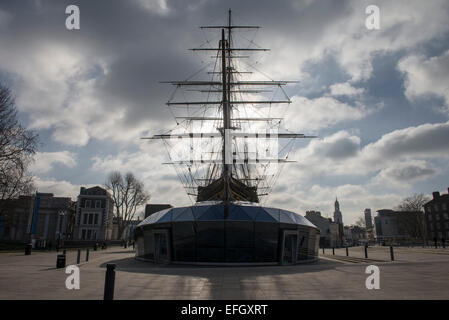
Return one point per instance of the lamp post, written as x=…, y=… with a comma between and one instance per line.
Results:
x=61, y=214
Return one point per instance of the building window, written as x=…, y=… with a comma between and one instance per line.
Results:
x=429, y=217
x=91, y=218
x=386, y=221
x=429, y=209
x=435, y=207
x=87, y=204
x=437, y=216
x=85, y=218
x=438, y=226
x=83, y=234
x=89, y=234
x=96, y=218
x=97, y=203
x=446, y=215
x=440, y=234
x=431, y=227
x=444, y=206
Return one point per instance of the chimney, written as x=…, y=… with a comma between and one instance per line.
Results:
x=436, y=195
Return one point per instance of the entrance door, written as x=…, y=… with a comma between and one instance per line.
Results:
x=290, y=246
x=162, y=249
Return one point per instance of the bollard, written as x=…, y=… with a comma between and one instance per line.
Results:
x=323, y=250
x=333, y=250
x=78, y=256
x=366, y=252
x=391, y=253
x=347, y=252
x=28, y=248
x=60, y=261
x=109, y=282
x=87, y=254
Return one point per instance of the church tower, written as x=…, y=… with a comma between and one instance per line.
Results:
x=338, y=218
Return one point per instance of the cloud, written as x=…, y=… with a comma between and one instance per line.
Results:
x=314, y=114
x=345, y=89
x=60, y=188
x=427, y=141
x=406, y=172
x=426, y=76
x=45, y=161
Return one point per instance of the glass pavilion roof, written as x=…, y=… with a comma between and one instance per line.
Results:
x=215, y=211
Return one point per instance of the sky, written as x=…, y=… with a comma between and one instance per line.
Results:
x=377, y=99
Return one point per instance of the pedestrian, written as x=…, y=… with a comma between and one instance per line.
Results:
x=443, y=242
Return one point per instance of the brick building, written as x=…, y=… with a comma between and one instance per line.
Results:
x=437, y=216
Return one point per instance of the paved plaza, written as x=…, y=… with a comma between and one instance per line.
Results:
x=416, y=273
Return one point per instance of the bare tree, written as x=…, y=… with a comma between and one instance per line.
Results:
x=17, y=148
x=412, y=220
x=360, y=222
x=128, y=193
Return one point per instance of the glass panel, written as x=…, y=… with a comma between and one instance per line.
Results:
x=148, y=236
x=183, y=234
x=213, y=213
x=285, y=217
x=289, y=248
x=238, y=213
x=266, y=242
x=186, y=215
x=199, y=210
x=176, y=212
x=210, y=241
x=265, y=216
x=272, y=212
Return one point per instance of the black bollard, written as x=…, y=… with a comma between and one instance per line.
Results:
x=347, y=252
x=87, y=254
x=366, y=252
x=323, y=250
x=109, y=282
x=333, y=250
x=391, y=253
x=78, y=256
x=60, y=261
x=28, y=248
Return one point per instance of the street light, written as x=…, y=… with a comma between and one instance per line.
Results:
x=61, y=214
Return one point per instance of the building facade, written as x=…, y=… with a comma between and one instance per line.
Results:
x=40, y=218
x=398, y=226
x=94, y=215
x=155, y=207
x=437, y=217
x=329, y=231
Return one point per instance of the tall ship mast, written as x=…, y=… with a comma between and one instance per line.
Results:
x=227, y=150
x=240, y=166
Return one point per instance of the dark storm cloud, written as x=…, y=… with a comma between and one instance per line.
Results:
x=142, y=47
